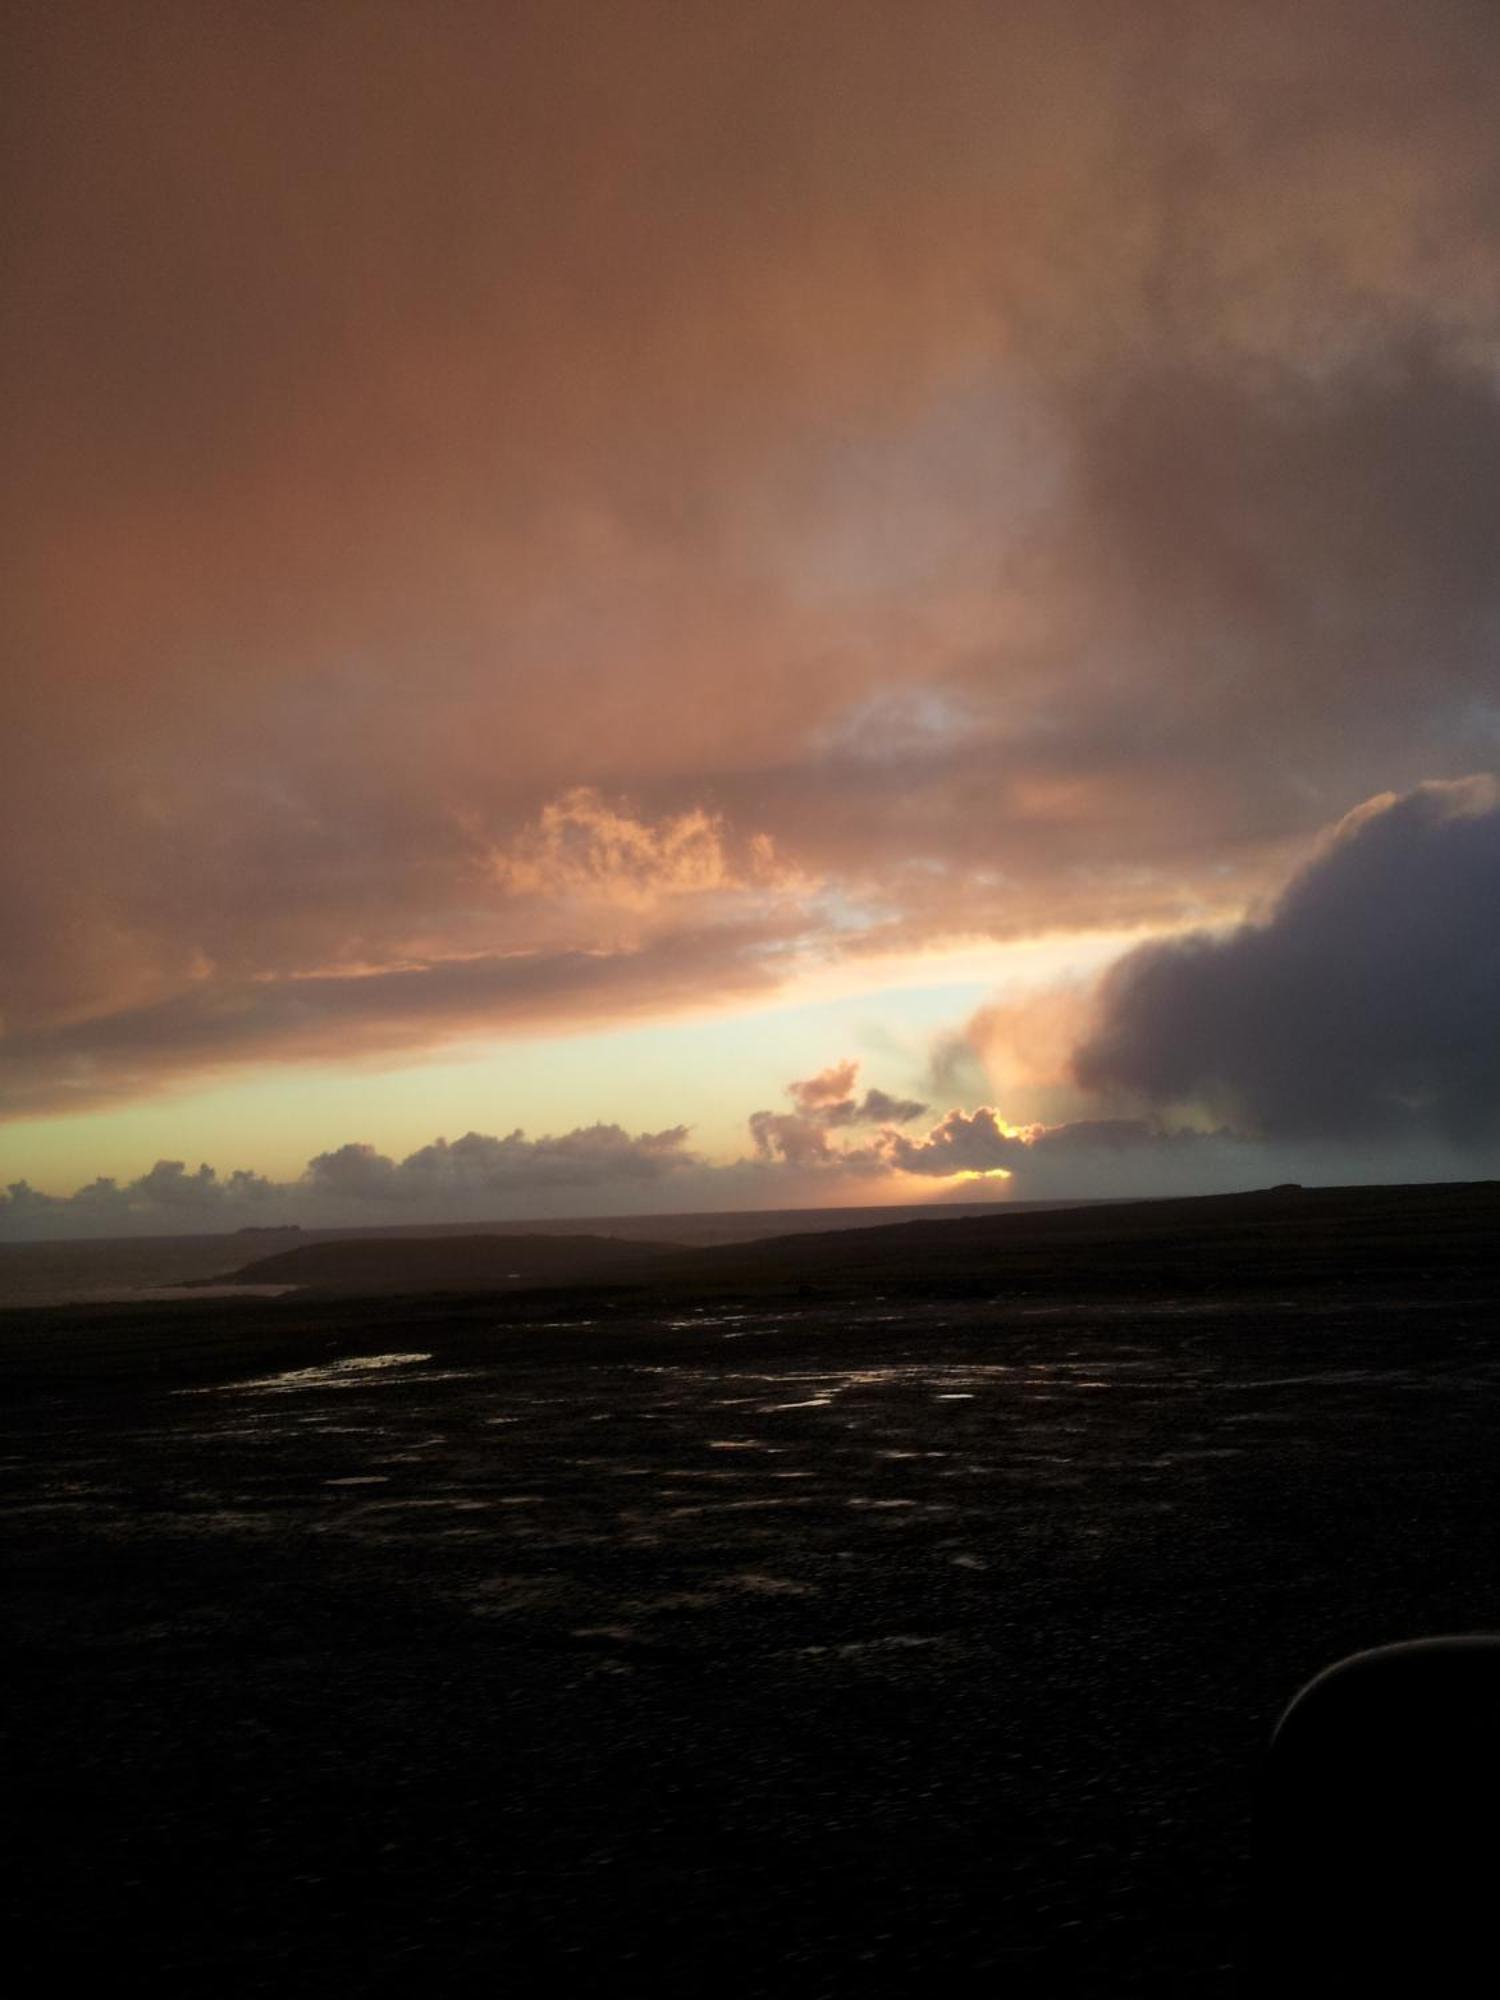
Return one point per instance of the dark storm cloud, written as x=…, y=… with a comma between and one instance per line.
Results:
x=1367, y=1002
x=999, y=468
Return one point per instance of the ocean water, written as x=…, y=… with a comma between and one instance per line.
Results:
x=104, y=1270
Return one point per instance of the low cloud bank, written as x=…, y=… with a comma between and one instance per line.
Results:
x=979, y=1153
x=484, y=1167
x=469, y=1178
x=838, y=1144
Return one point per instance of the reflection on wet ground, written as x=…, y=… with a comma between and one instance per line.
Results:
x=331, y=1375
x=962, y=1638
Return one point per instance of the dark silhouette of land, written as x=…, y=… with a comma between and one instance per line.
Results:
x=99, y=1270
x=1343, y=1237
x=850, y=1615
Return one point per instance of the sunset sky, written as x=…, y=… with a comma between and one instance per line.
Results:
x=628, y=607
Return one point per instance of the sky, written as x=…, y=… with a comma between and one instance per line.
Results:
x=624, y=609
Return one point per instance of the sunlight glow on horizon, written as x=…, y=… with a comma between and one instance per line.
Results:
x=886, y=1011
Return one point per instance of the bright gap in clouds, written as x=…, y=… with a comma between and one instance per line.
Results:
x=709, y=1071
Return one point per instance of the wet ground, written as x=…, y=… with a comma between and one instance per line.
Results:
x=836, y=1651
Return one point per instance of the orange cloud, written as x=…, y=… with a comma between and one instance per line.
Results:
x=581, y=846
x=533, y=554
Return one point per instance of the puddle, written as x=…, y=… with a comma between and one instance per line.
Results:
x=855, y=1649
x=496, y=1595
x=755, y=1583
x=700, y=1320
x=329, y=1375
x=1326, y=1378
x=227, y=1521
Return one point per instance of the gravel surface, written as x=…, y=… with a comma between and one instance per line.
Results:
x=855, y=1650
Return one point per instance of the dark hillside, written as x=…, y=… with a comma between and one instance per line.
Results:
x=1282, y=1239
x=1279, y=1238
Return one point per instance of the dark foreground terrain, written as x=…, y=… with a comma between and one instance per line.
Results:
x=901, y=1620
